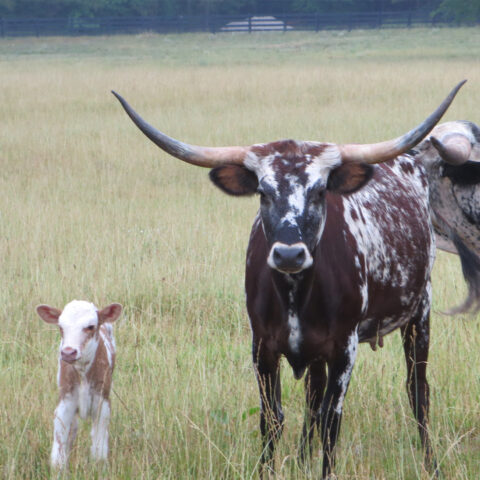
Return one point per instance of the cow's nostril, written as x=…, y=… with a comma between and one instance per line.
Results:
x=69, y=352
x=301, y=255
x=289, y=258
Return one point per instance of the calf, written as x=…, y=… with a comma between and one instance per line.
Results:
x=85, y=367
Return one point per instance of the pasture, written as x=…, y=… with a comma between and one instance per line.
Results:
x=89, y=209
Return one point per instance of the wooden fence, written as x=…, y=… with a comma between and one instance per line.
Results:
x=10, y=27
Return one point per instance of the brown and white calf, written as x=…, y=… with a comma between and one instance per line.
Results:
x=85, y=367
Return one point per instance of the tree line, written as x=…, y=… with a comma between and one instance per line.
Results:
x=455, y=10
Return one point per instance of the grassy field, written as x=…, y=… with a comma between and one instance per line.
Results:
x=89, y=209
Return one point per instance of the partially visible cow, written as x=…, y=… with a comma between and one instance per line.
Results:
x=451, y=157
x=340, y=253
x=85, y=368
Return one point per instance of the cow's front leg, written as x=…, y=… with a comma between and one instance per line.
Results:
x=62, y=424
x=99, y=432
x=315, y=382
x=339, y=373
x=271, y=415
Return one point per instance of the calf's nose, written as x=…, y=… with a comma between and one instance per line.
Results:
x=68, y=354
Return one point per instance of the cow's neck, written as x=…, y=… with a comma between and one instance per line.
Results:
x=293, y=292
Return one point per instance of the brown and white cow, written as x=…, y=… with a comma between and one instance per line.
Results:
x=340, y=253
x=85, y=366
x=451, y=157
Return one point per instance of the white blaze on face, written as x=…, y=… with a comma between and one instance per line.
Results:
x=290, y=178
x=77, y=316
x=263, y=168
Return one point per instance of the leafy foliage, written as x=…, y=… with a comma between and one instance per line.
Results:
x=460, y=10
x=75, y=8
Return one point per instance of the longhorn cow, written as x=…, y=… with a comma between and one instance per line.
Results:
x=340, y=252
x=451, y=158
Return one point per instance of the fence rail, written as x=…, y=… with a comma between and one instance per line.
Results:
x=10, y=27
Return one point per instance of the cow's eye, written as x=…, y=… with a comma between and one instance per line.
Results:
x=90, y=328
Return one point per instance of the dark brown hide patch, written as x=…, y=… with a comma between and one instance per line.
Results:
x=289, y=150
x=349, y=177
x=234, y=180
x=285, y=148
x=69, y=379
x=407, y=167
x=100, y=374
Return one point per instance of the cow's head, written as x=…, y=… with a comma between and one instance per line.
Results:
x=451, y=157
x=79, y=323
x=291, y=178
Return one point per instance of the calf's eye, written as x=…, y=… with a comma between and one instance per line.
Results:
x=90, y=328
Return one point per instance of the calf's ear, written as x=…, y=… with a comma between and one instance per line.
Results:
x=234, y=180
x=349, y=177
x=109, y=314
x=48, y=314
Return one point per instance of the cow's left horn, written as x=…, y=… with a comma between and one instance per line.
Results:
x=454, y=149
x=201, y=156
x=383, y=151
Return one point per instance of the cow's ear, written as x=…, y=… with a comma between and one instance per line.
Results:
x=109, y=314
x=234, y=180
x=48, y=314
x=349, y=177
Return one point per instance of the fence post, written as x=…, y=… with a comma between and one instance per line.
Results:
x=317, y=22
x=249, y=24
x=2, y=27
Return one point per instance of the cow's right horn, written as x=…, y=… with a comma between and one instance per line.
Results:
x=201, y=156
x=454, y=148
x=383, y=151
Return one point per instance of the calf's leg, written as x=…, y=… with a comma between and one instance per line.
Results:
x=62, y=424
x=99, y=432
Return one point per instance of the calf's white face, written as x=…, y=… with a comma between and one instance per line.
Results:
x=79, y=323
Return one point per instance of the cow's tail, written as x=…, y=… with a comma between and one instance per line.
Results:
x=470, y=262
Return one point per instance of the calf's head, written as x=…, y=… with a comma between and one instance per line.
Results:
x=291, y=178
x=79, y=323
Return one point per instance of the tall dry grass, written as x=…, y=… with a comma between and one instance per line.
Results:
x=89, y=209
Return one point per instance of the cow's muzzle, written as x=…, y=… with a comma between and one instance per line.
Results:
x=69, y=354
x=289, y=258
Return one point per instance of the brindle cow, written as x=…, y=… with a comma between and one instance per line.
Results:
x=451, y=157
x=340, y=253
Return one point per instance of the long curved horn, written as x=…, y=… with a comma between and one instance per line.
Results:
x=200, y=156
x=383, y=151
x=454, y=149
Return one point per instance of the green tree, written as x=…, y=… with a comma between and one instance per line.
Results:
x=460, y=10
